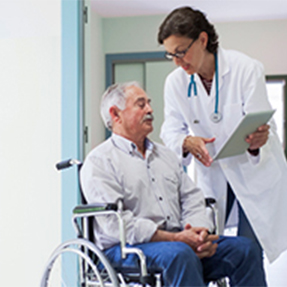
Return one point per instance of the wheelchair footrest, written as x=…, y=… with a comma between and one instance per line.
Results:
x=133, y=275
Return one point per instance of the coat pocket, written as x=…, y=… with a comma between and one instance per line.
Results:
x=263, y=176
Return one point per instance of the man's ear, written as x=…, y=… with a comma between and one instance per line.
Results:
x=115, y=113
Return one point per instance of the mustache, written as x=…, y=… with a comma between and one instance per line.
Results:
x=148, y=117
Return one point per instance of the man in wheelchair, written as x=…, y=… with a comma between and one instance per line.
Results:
x=163, y=210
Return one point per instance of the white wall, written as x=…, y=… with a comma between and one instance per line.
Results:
x=30, y=105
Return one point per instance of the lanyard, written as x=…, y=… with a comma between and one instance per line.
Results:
x=215, y=116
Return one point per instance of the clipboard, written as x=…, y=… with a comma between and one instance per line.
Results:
x=236, y=144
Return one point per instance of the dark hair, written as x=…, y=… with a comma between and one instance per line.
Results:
x=188, y=22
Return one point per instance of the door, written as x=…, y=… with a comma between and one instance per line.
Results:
x=150, y=74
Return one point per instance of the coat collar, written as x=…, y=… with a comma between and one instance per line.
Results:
x=223, y=66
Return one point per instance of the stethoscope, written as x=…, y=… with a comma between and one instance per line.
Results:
x=215, y=116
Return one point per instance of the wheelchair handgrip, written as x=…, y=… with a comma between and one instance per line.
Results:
x=64, y=164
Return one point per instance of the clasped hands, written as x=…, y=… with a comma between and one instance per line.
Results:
x=197, y=145
x=199, y=239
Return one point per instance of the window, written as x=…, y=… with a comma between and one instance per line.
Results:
x=276, y=89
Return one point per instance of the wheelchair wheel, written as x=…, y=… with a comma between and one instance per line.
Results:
x=75, y=264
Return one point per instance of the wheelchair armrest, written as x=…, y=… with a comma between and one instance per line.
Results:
x=89, y=210
x=92, y=208
x=86, y=211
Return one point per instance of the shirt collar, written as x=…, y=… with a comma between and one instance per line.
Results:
x=128, y=146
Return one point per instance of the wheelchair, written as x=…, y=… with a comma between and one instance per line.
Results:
x=80, y=263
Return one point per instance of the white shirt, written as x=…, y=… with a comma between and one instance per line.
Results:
x=260, y=184
x=156, y=192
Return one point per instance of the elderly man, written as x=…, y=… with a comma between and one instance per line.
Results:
x=163, y=210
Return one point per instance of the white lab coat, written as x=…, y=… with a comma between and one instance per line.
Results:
x=259, y=183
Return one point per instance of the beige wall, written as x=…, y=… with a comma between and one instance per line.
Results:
x=131, y=34
x=263, y=40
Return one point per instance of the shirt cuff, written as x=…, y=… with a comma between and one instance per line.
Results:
x=186, y=158
x=254, y=159
x=254, y=152
x=142, y=231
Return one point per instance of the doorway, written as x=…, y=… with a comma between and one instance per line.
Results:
x=149, y=70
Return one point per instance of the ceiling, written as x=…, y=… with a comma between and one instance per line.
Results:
x=216, y=10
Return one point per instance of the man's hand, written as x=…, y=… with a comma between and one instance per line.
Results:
x=196, y=146
x=199, y=240
x=258, y=138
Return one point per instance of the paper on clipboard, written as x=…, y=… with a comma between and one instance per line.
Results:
x=236, y=144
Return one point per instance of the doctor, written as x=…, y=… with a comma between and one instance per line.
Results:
x=210, y=91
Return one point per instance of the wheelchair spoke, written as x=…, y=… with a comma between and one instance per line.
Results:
x=72, y=265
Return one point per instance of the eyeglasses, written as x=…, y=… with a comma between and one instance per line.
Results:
x=180, y=54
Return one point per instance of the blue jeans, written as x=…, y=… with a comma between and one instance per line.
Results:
x=235, y=258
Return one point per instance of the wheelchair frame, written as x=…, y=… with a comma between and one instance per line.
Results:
x=88, y=252
x=83, y=248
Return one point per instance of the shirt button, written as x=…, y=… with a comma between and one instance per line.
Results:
x=152, y=179
x=168, y=217
x=160, y=198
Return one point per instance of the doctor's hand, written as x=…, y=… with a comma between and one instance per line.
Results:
x=199, y=240
x=258, y=138
x=196, y=146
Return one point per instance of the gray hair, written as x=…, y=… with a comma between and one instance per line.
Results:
x=115, y=95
